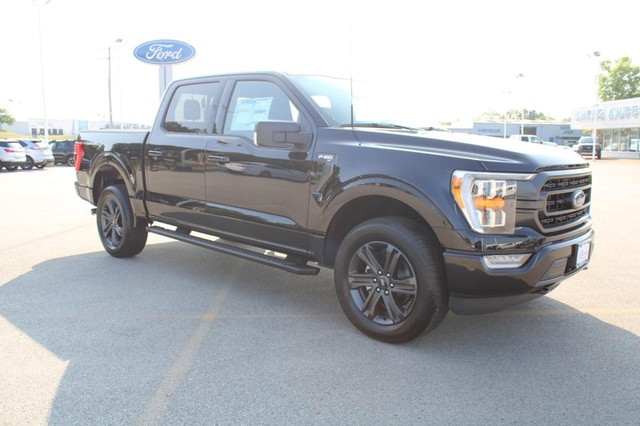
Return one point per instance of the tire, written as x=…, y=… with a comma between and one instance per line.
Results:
x=390, y=279
x=11, y=168
x=115, y=221
x=70, y=161
x=40, y=166
x=29, y=164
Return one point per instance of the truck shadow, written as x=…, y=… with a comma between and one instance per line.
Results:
x=121, y=324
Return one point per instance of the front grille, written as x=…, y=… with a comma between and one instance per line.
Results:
x=562, y=206
x=566, y=182
x=559, y=202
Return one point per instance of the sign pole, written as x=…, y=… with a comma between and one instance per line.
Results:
x=165, y=77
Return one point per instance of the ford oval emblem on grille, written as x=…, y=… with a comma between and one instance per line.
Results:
x=578, y=199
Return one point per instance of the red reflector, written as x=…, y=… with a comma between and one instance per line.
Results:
x=78, y=150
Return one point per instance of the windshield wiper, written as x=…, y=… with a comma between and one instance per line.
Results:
x=378, y=125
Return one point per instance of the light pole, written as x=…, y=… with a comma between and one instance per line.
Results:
x=39, y=4
x=518, y=77
x=596, y=55
x=118, y=40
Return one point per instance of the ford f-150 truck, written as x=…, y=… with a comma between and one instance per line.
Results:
x=301, y=172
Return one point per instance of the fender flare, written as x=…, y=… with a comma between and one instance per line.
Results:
x=382, y=187
x=122, y=166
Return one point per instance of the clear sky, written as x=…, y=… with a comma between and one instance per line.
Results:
x=455, y=59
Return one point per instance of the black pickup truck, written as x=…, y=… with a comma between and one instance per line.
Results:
x=303, y=172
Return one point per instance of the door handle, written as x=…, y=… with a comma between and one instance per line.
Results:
x=218, y=158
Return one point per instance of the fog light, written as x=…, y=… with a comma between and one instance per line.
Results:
x=505, y=261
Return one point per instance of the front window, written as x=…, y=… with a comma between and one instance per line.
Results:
x=255, y=101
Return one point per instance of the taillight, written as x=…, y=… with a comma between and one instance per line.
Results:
x=78, y=150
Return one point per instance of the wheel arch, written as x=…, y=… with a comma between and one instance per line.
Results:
x=372, y=200
x=111, y=170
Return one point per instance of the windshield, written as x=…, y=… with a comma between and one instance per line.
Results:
x=373, y=105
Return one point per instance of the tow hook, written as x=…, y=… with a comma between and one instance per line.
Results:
x=543, y=290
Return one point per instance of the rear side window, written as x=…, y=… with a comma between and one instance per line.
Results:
x=192, y=109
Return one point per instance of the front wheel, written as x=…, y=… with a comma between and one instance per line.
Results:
x=70, y=161
x=29, y=164
x=118, y=234
x=390, y=279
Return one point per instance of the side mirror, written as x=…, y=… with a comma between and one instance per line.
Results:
x=281, y=134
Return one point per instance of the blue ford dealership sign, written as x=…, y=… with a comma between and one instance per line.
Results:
x=164, y=52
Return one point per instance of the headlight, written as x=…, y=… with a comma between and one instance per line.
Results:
x=488, y=200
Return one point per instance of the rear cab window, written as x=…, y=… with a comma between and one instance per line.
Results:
x=192, y=109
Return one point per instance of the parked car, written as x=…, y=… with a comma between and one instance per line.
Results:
x=12, y=154
x=63, y=151
x=38, y=155
x=531, y=139
x=585, y=147
x=566, y=144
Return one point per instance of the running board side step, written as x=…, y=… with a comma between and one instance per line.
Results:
x=287, y=265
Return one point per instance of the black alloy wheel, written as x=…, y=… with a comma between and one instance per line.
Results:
x=390, y=280
x=120, y=234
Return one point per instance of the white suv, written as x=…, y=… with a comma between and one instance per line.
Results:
x=37, y=154
x=12, y=154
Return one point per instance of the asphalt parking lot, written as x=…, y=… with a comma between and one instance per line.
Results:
x=182, y=335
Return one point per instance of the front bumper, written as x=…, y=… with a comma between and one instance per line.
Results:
x=475, y=288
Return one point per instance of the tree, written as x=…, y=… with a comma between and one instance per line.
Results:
x=618, y=81
x=6, y=118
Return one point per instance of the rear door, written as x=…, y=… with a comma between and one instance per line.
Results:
x=258, y=194
x=175, y=154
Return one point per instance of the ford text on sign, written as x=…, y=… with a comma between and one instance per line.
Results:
x=164, y=52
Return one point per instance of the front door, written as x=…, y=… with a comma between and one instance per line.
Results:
x=258, y=194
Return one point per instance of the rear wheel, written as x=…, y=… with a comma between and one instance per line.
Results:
x=70, y=161
x=390, y=280
x=118, y=233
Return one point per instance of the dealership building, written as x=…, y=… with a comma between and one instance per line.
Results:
x=617, y=124
x=36, y=127
x=561, y=133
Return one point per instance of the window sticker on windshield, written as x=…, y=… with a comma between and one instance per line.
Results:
x=249, y=111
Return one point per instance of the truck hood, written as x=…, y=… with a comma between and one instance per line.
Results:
x=491, y=154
